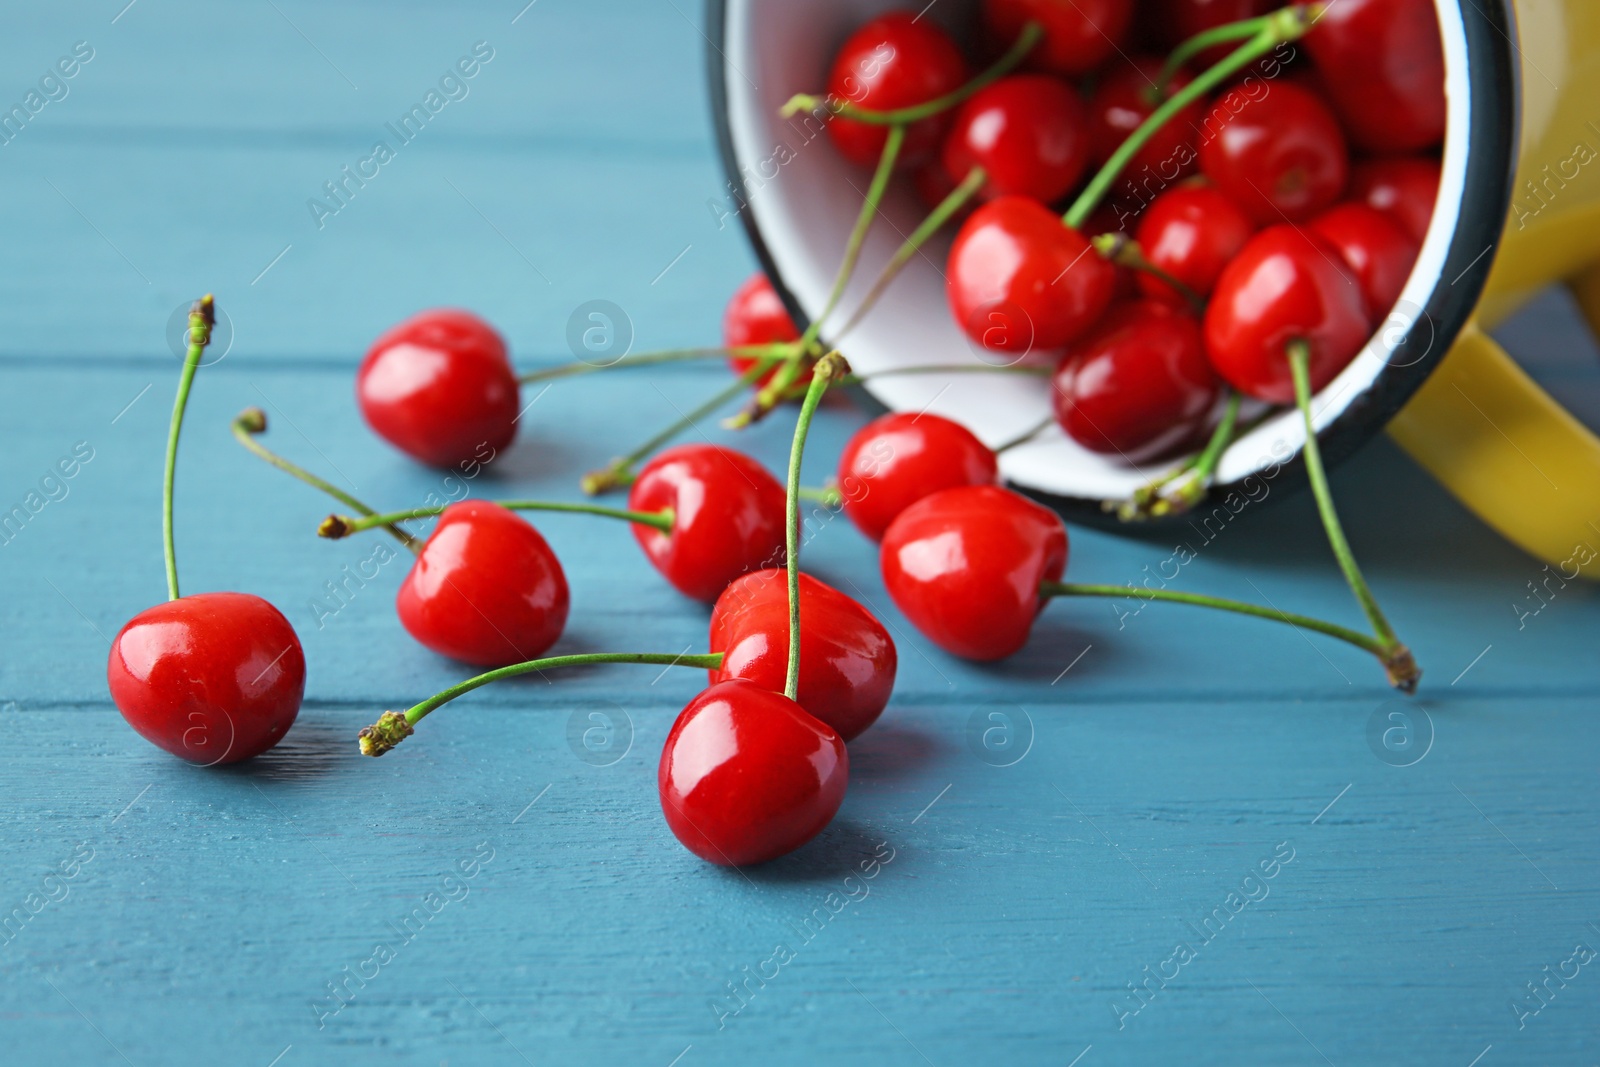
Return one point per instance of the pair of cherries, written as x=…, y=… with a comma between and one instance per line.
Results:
x=964, y=559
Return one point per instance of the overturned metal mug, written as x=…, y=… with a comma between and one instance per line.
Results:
x=1518, y=210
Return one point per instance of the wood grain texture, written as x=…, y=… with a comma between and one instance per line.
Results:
x=1146, y=782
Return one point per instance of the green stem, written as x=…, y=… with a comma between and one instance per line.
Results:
x=858, y=233
x=905, y=116
x=1343, y=633
x=647, y=359
x=768, y=396
x=337, y=526
x=1221, y=438
x=1286, y=24
x=1399, y=659
x=826, y=368
x=202, y=315
x=620, y=471
x=938, y=368
x=1232, y=31
x=1193, y=477
x=252, y=421
x=1122, y=250
x=1024, y=438
x=392, y=727
x=827, y=495
x=952, y=203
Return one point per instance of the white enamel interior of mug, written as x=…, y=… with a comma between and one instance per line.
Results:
x=805, y=199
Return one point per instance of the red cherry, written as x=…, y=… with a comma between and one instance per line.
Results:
x=897, y=459
x=1019, y=279
x=728, y=517
x=1279, y=155
x=1405, y=188
x=1286, y=285
x=1190, y=232
x=1028, y=132
x=1078, y=36
x=440, y=389
x=965, y=566
x=1139, y=385
x=755, y=315
x=1375, y=247
x=896, y=60
x=1383, y=67
x=486, y=588
x=847, y=659
x=1120, y=105
x=1179, y=20
x=746, y=775
x=211, y=678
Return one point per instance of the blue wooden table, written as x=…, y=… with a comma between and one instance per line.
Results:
x=1151, y=837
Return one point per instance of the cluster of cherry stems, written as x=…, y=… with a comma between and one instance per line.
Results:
x=756, y=765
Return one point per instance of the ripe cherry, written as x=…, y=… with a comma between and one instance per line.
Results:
x=965, y=566
x=1405, y=188
x=439, y=388
x=1078, y=36
x=1029, y=134
x=1383, y=67
x=728, y=515
x=755, y=315
x=486, y=588
x=215, y=677
x=1285, y=286
x=893, y=61
x=212, y=677
x=747, y=775
x=1191, y=232
x=1279, y=154
x=1138, y=385
x=1121, y=103
x=1020, y=280
x=897, y=459
x=1375, y=247
x=847, y=659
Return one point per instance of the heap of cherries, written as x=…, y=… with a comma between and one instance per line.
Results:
x=757, y=764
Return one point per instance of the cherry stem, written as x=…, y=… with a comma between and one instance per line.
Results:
x=619, y=472
x=826, y=495
x=828, y=366
x=1024, y=438
x=337, y=526
x=1232, y=31
x=393, y=727
x=906, y=115
x=952, y=203
x=1124, y=251
x=646, y=359
x=252, y=421
x=1193, y=477
x=202, y=316
x=1402, y=668
x=1239, y=607
x=933, y=368
x=768, y=396
x=1285, y=24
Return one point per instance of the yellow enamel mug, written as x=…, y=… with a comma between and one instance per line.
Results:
x=1478, y=423
x=1518, y=210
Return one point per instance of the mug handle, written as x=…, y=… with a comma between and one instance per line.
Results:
x=1509, y=452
